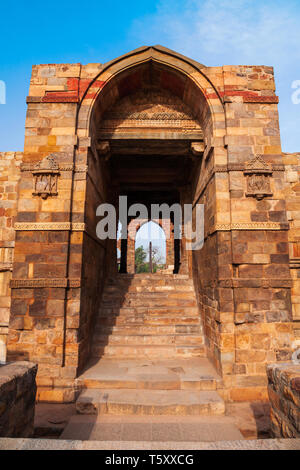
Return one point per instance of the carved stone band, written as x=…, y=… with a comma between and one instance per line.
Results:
x=44, y=282
x=62, y=167
x=31, y=226
x=250, y=226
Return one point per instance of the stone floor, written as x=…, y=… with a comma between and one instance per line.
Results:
x=151, y=428
x=251, y=419
x=54, y=444
x=51, y=419
x=125, y=381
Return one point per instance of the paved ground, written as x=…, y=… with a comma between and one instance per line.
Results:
x=151, y=428
x=252, y=419
x=243, y=420
x=51, y=419
x=47, y=444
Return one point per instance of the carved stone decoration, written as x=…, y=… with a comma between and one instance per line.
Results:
x=152, y=111
x=41, y=226
x=258, y=174
x=44, y=282
x=197, y=148
x=45, y=175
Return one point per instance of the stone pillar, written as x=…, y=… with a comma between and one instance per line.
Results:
x=170, y=255
x=130, y=256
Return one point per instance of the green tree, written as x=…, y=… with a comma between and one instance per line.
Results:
x=141, y=266
x=140, y=256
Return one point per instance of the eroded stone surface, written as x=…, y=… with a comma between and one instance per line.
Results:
x=284, y=394
x=17, y=399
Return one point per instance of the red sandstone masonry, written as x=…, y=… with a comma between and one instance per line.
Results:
x=17, y=399
x=284, y=395
x=243, y=275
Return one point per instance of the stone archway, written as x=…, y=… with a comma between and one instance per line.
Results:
x=133, y=228
x=81, y=151
x=154, y=127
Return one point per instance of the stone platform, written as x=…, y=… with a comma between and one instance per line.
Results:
x=178, y=374
x=150, y=387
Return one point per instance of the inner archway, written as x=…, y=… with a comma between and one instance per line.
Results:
x=150, y=248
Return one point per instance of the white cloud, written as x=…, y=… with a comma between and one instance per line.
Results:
x=241, y=31
x=229, y=32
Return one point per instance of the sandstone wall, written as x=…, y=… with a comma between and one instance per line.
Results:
x=9, y=178
x=292, y=196
x=242, y=275
x=96, y=258
x=17, y=399
x=244, y=279
x=284, y=395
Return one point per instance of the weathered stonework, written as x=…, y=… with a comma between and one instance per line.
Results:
x=199, y=131
x=9, y=177
x=17, y=399
x=284, y=395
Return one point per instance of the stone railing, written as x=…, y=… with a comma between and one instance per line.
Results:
x=284, y=394
x=17, y=399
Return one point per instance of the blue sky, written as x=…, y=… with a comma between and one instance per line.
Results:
x=150, y=231
x=214, y=32
x=154, y=233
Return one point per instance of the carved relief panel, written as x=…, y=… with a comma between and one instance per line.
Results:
x=45, y=175
x=258, y=174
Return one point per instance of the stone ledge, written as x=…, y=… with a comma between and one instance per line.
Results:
x=284, y=395
x=17, y=399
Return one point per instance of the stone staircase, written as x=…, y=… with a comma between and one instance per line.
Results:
x=148, y=316
x=148, y=352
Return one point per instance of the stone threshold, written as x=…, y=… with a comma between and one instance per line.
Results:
x=54, y=444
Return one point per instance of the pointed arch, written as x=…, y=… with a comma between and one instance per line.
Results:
x=182, y=76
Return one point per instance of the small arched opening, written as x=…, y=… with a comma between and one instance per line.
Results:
x=150, y=248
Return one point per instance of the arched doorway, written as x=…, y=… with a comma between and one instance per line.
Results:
x=149, y=126
x=153, y=124
x=150, y=248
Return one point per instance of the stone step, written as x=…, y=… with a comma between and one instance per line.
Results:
x=152, y=277
x=121, y=291
x=150, y=295
x=148, y=302
x=148, y=285
x=138, y=340
x=149, y=402
x=148, y=383
x=149, y=330
x=147, y=320
x=174, y=374
x=109, y=311
x=148, y=351
x=146, y=316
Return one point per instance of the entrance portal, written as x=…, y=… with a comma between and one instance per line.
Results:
x=150, y=248
x=157, y=128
